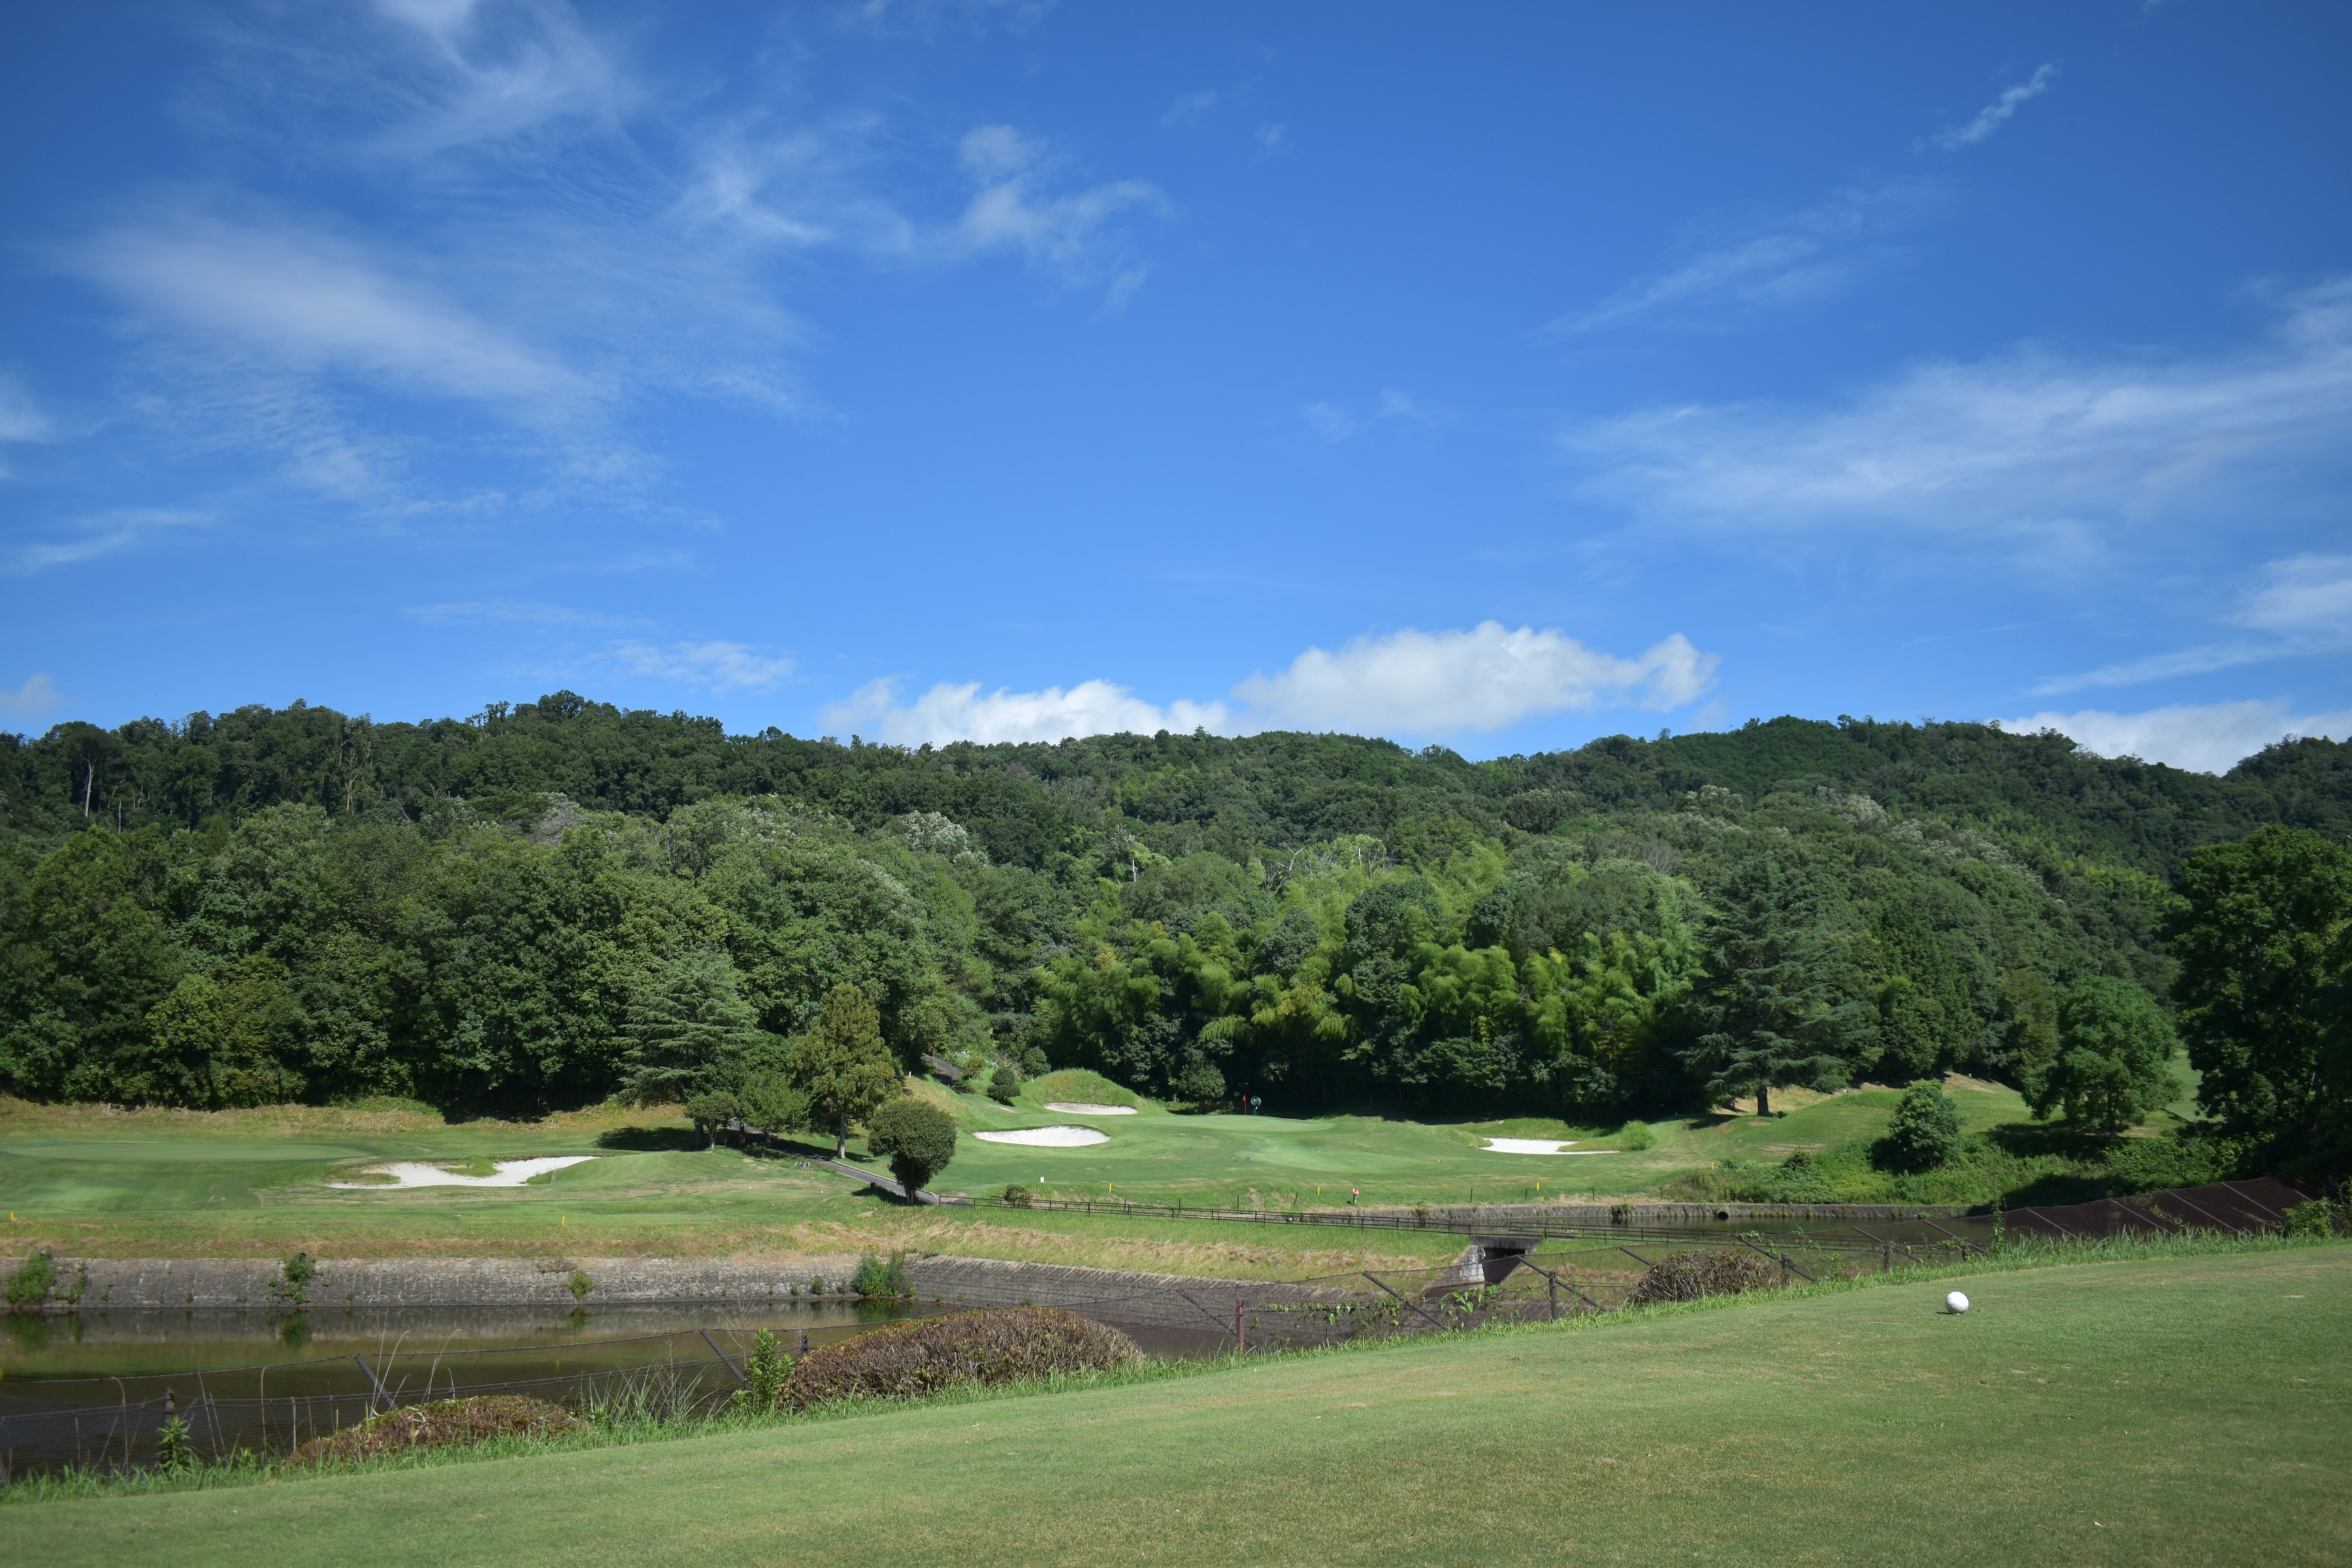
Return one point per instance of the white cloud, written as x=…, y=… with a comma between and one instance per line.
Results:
x=37, y=697
x=1994, y=115
x=961, y=713
x=522, y=612
x=2032, y=442
x=718, y=666
x=21, y=418
x=1409, y=682
x=1189, y=107
x=1484, y=678
x=105, y=534
x=1792, y=260
x=308, y=303
x=2210, y=739
x=1273, y=141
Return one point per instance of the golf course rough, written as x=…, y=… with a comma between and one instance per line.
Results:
x=2186, y=1410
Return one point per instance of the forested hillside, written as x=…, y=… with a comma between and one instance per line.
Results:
x=513, y=910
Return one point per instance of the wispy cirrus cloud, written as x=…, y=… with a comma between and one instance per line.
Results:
x=1410, y=682
x=1071, y=233
x=1786, y=259
x=2036, y=444
x=2211, y=738
x=2304, y=606
x=515, y=612
x=22, y=418
x=100, y=534
x=710, y=666
x=1996, y=113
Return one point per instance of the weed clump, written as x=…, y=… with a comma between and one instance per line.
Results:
x=444, y=1423
x=1689, y=1276
x=876, y=1277
x=1011, y=1345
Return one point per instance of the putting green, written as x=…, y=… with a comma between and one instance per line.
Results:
x=2188, y=1410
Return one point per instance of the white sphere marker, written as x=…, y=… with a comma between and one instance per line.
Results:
x=1957, y=1302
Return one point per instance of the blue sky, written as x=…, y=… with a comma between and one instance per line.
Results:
x=1501, y=375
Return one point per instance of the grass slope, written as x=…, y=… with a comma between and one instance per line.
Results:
x=95, y=1181
x=2181, y=1410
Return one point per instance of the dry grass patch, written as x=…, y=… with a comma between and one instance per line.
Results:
x=444, y=1423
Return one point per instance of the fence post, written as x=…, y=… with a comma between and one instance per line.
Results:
x=1241, y=1327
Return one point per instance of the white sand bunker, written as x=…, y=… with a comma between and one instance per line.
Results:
x=1088, y=1108
x=1527, y=1145
x=1048, y=1137
x=510, y=1173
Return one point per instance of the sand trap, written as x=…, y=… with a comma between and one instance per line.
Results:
x=413, y=1173
x=1086, y=1108
x=1527, y=1145
x=1048, y=1137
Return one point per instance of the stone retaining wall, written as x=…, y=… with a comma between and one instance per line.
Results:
x=205, y=1283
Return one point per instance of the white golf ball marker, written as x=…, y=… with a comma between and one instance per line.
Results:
x=1955, y=1303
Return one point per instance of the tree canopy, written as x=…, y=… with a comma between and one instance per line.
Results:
x=560, y=900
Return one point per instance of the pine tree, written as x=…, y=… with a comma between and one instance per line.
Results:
x=691, y=1020
x=843, y=1065
x=1775, y=1010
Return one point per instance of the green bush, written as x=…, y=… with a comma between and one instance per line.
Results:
x=876, y=1277
x=917, y=1137
x=292, y=1286
x=2317, y=1217
x=765, y=1371
x=1007, y=1346
x=29, y=1285
x=1017, y=1196
x=1636, y=1136
x=1926, y=1132
x=1004, y=1084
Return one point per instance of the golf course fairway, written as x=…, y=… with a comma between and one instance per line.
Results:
x=2188, y=1409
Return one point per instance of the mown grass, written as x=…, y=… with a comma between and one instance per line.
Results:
x=2188, y=1404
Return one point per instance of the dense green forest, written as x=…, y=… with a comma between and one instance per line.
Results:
x=497, y=912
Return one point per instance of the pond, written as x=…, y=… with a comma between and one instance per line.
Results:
x=93, y=1388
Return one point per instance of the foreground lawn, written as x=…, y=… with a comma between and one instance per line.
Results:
x=2186, y=1410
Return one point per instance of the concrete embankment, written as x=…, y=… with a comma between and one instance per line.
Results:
x=117, y=1284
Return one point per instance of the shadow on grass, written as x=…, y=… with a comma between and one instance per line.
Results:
x=651, y=1140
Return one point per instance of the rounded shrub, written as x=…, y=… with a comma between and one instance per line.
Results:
x=1925, y=1131
x=917, y=1137
x=1004, y=1084
x=1011, y=1345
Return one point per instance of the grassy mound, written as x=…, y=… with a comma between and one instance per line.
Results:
x=1009, y=1346
x=444, y=1423
x=1081, y=1086
x=1689, y=1276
